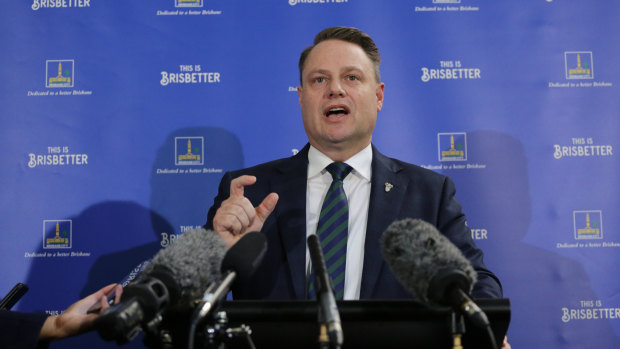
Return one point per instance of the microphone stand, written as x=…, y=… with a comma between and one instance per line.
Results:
x=218, y=332
x=323, y=337
x=457, y=329
x=209, y=300
x=329, y=317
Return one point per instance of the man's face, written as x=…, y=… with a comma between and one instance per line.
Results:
x=339, y=98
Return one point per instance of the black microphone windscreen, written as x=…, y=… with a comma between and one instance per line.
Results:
x=194, y=261
x=245, y=256
x=417, y=253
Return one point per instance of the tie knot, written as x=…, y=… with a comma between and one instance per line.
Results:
x=339, y=170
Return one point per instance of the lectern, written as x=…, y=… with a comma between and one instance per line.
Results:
x=366, y=324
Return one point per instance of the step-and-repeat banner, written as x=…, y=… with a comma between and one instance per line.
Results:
x=120, y=117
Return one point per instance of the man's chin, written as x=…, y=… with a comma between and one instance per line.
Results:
x=340, y=143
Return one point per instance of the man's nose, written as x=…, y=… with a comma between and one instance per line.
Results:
x=336, y=89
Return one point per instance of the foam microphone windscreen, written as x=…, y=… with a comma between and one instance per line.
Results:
x=194, y=261
x=417, y=253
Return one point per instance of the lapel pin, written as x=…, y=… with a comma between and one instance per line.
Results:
x=388, y=186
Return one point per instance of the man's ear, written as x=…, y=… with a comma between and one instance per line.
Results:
x=380, y=94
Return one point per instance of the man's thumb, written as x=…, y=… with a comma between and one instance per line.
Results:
x=267, y=206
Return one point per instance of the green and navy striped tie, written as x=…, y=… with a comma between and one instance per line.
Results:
x=333, y=229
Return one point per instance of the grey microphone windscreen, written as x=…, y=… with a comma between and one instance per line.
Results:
x=194, y=260
x=416, y=252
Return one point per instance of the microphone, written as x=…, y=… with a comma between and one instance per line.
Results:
x=323, y=286
x=14, y=295
x=238, y=265
x=176, y=275
x=431, y=267
x=135, y=272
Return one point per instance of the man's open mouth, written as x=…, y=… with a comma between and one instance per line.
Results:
x=337, y=111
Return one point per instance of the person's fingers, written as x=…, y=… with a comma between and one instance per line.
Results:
x=107, y=290
x=242, y=209
x=118, y=292
x=237, y=215
x=103, y=304
x=229, y=239
x=267, y=206
x=98, y=301
x=237, y=185
x=234, y=216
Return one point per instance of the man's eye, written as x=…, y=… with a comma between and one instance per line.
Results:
x=319, y=80
x=352, y=78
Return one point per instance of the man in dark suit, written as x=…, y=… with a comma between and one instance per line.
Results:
x=340, y=95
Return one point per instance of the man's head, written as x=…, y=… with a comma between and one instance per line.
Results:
x=348, y=34
x=340, y=92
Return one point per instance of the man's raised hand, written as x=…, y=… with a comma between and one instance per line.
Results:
x=237, y=216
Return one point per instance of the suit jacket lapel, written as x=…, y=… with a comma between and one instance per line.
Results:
x=290, y=213
x=386, y=195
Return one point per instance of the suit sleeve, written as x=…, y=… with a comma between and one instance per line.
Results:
x=21, y=330
x=452, y=223
x=223, y=193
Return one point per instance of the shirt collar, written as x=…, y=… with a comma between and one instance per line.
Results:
x=361, y=162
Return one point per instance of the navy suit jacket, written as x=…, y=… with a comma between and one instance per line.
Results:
x=417, y=193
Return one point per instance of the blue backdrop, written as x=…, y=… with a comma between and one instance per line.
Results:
x=119, y=118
